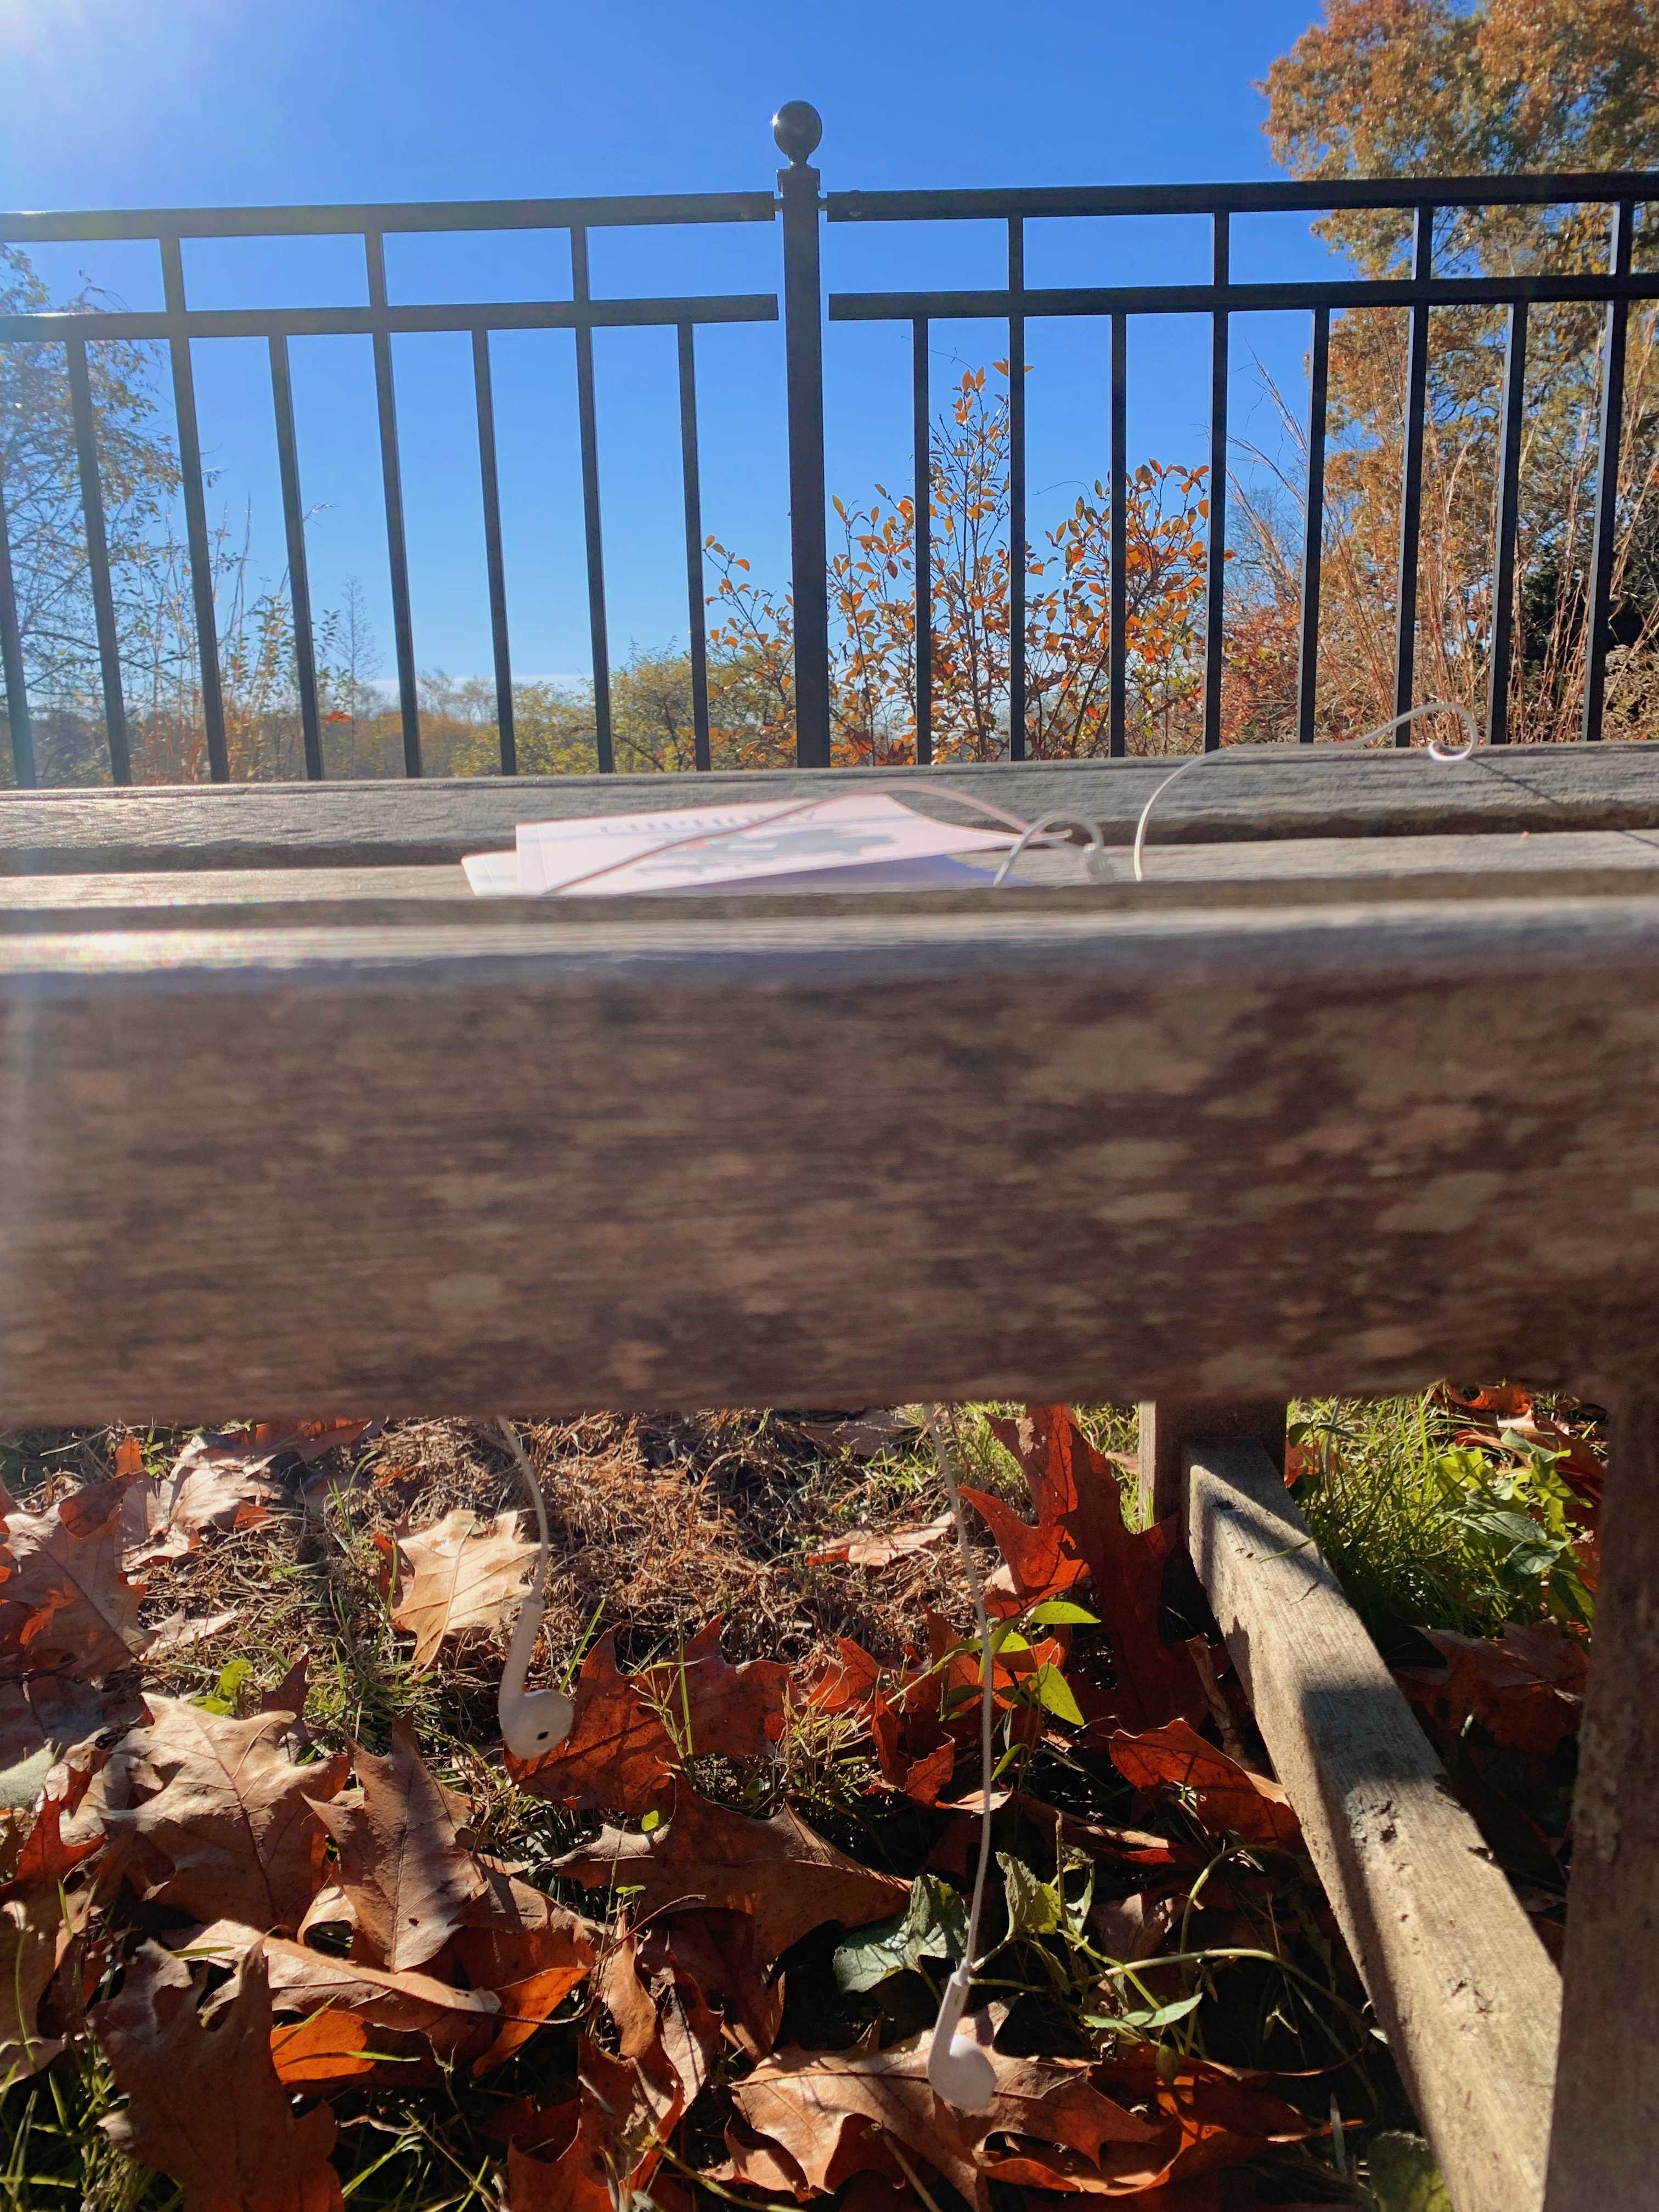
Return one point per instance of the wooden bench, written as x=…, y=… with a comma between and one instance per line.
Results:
x=1358, y=1091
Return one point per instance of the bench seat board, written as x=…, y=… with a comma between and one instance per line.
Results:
x=826, y=1159
x=1246, y=793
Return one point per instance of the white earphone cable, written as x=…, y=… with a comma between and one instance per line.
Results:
x=937, y=1417
x=1232, y=753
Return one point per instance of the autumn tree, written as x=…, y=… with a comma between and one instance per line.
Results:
x=1415, y=87
x=872, y=607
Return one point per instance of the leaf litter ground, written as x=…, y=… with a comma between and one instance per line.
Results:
x=280, y=1923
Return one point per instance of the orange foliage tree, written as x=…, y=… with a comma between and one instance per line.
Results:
x=872, y=606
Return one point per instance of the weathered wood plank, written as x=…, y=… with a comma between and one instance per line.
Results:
x=1167, y=1425
x=1463, y=1988
x=1250, y=793
x=1312, y=870
x=1607, y=2095
x=822, y=1159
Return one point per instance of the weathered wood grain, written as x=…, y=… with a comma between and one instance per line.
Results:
x=827, y=1159
x=1463, y=1988
x=1607, y=2095
x=1167, y=1425
x=1311, y=870
x=1250, y=791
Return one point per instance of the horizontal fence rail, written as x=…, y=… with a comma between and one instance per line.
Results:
x=180, y=326
x=800, y=303
x=1223, y=297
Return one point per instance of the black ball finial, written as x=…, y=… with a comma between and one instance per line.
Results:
x=797, y=127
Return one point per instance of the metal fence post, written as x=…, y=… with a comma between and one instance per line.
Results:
x=797, y=127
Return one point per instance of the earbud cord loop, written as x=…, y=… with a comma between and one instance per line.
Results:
x=1436, y=751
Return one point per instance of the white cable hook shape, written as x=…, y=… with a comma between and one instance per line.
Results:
x=1436, y=751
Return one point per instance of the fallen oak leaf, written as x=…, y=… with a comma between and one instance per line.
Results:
x=223, y=1823
x=65, y=1606
x=831, y=2112
x=848, y=1683
x=1526, y=1688
x=715, y=1946
x=1154, y=1681
x=617, y=1757
x=355, y=2014
x=204, y=2105
x=215, y=1483
x=788, y=1877
x=664, y=2027
x=879, y=1548
x=407, y=1880
x=530, y=1950
x=30, y=1925
x=458, y=1575
x=612, y=2151
x=716, y=1710
x=1227, y=1798
x=43, y=1717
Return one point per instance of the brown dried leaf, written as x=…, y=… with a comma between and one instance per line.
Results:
x=1106, y=2128
x=618, y=1756
x=65, y=1606
x=1076, y=1493
x=879, y=1547
x=354, y=2014
x=612, y=2152
x=222, y=1822
x=33, y=1935
x=790, y=1880
x=716, y=1948
x=43, y=1716
x=1525, y=1688
x=203, y=2101
x=462, y=1573
x=407, y=1880
x=216, y=1482
x=1227, y=1796
x=527, y=1948
x=719, y=1711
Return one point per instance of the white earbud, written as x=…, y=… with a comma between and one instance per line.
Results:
x=533, y=1722
x=958, y=2070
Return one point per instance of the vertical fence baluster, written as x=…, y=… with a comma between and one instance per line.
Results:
x=484, y=399
x=403, y=629
x=103, y=598
x=11, y=661
x=1118, y=633
x=195, y=528
x=1313, y=528
x=1016, y=492
x=797, y=127
x=1509, y=510
x=1411, y=482
x=1606, y=477
x=587, y=426
x=299, y=574
x=1215, y=558
x=696, y=595
x=922, y=538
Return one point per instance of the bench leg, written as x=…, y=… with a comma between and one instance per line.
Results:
x=1604, y=2147
x=1169, y=1425
x=1462, y=1987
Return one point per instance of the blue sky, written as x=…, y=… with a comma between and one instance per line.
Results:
x=216, y=101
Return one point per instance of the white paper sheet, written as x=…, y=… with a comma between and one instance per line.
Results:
x=699, y=848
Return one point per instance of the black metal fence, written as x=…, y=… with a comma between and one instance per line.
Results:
x=801, y=207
